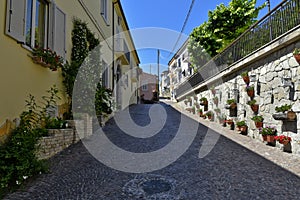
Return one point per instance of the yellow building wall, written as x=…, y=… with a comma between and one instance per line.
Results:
x=20, y=77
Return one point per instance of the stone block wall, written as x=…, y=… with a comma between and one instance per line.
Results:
x=269, y=69
x=59, y=139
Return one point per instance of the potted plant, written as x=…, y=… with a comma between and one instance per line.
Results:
x=217, y=110
x=193, y=109
x=284, y=112
x=229, y=121
x=268, y=133
x=203, y=101
x=282, y=139
x=231, y=104
x=216, y=100
x=296, y=54
x=210, y=115
x=258, y=120
x=213, y=90
x=200, y=112
x=245, y=77
x=242, y=126
x=253, y=105
x=47, y=58
x=250, y=90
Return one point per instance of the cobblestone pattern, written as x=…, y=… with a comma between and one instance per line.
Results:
x=229, y=171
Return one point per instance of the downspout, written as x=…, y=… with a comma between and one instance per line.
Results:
x=113, y=42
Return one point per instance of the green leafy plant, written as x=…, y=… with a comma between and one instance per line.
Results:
x=241, y=123
x=244, y=74
x=217, y=110
x=18, y=160
x=283, y=108
x=251, y=102
x=209, y=113
x=200, y=111
x=248, y=87
x=268, y=131
x=103, y=101
x=203, y=99
x=296, y=51
x=257, y=118
x=230, y=101
x=48, y=58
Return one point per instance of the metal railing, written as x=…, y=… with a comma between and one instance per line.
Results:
x=280, y=20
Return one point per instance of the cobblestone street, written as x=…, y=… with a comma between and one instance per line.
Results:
x=229, y=171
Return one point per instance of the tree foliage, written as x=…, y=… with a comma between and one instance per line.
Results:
x=224, y=24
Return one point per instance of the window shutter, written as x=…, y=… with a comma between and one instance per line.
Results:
x=59, y=32
x=15, y=19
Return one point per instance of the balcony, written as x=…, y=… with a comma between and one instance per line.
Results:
x=122, y=51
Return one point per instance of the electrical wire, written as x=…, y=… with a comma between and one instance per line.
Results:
x=183, y=27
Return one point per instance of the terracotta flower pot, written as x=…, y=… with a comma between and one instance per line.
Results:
x=284, y=142
x=264, y=138
x=259, y=124
x=255, y=108
x=250, y=93
x=291, y=115
x=270, y=138
x=243, y=128
x=246, y=79
x=297, y=57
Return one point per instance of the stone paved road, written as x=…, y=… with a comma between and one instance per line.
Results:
x=229, y=171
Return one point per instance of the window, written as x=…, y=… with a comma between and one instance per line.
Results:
x=104, y=10
x=36, y=23
x=145, y=85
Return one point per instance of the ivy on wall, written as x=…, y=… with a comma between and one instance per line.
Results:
x=83, y=41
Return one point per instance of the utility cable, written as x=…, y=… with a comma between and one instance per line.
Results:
x=184, y=25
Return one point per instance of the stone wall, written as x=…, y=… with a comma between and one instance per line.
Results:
x=269, y=66
x=59, y=139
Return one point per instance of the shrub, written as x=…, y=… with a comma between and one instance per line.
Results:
x=257, y=118
x=245, y=73
x=283, y=108
x=241, y=123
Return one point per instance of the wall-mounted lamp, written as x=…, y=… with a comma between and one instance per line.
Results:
x=252, y=77
x=286, y=81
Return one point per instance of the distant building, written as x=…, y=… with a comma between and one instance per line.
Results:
x=148, y=85
x=165, y=84
x=179, y=68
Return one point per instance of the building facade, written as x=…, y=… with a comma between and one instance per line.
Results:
x=148, y=85
x=165, y=84
x=52, y=22
x=179, y=68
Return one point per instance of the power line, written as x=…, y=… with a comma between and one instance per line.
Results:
x=184, y=25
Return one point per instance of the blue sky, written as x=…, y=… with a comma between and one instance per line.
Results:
x=169, y=14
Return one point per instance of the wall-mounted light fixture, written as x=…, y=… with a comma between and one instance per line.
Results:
x=286, y=81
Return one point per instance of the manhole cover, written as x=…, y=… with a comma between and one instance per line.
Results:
x=151, y=187
x=156, y=186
